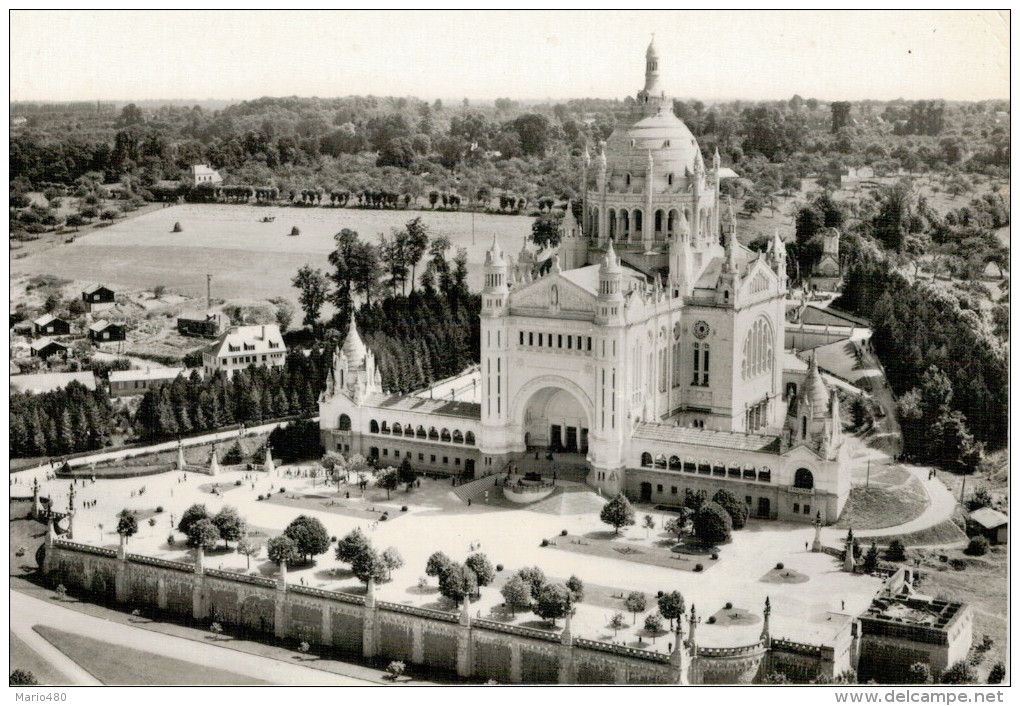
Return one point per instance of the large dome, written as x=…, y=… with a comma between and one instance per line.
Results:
x=670, y=142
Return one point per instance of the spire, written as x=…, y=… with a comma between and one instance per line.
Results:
x=353, y=346
x=765, y=620
x=716, y=161
x=610, y=263
x=603, y=164
x=587, y=155
x=494, y=256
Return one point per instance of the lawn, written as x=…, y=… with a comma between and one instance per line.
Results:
x=248, y=259
x=943, y=533
x=115, y=665
x=24, y=657
x=609, y=546
x=28, y=535
x=875, y=508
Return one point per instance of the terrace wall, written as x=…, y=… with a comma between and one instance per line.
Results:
x=351, y=625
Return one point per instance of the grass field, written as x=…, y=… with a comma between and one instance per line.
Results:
x=123, y=666
x=878, y=507
x=247, y=258
x=24, y=657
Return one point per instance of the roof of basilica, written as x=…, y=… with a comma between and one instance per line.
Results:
x=733, y=440
x=664, y=135
x=587, y=278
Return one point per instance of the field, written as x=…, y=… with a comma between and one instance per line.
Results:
x=248, y=259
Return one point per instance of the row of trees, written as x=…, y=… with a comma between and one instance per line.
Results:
x=251, y=396
x=70, y=420
x=713, y=521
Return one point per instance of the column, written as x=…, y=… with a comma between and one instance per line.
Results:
x=465, y=658
x=417, y=642
x=326, y=634
x=515, y=662
x=161, y=599
x=280, y=603
x=120, y=577
x=368, y=641
x=198, y=607
x=566, y=652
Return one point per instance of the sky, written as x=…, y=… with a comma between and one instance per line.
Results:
x=524, y=55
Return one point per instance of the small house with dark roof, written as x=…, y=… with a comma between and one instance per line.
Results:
x=50, y=325
x=107, y=331
x=98, y=297
x=47, y=347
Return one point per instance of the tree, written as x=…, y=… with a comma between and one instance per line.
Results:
x=997, y=673
x=617, y=623
x=355, y=270
x=712, y=524
x=919, y=673
x=230, y=525
x=438, y=564
x=417, y=243
x=678, y=525
x=694, y=499
x=671, y=605
x=309, y=535
x=484, y=571
x=127, y=525
x=192, y=515
x=203, y=533
x=392, y=560
x=23, y=677
x=395, y=670
x=517, y=593
x=282, y=549
x=369, y=566
x=649, y=524
x=313, y=289
x=870, y=563
x=978, y=546
x=576, y=588
x=534, y=576
x=959, y=673
x=736, y=509
x=552, y=601
x=234, y=455
x=405, y=472
x=636, y=602
x=653, y=623
x=545, y=231
x=249, y=546
x=458, y=582
x=617, y=513
x=389, y=480
x=896, y=551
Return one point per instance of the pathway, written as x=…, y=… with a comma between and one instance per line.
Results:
x=27, y=612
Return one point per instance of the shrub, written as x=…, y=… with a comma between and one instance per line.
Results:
x=159, y=508
x=711, y=620
x=261, y=497
x=403, y=508
x=728, y=605
x=283, y=490
x=563, y=533
x=237, y=482
x=997, y=673
x=715, y=556
x=499, y=567
x=919, y=673
x=660, y=594
x=734, y=508
x=780, y=566
x=23, y=677
x=545, y=542
x=959, y=673
x=978, y=546
x=699, y=567
x=383, y=518
x=332, y=540
x=958, y=564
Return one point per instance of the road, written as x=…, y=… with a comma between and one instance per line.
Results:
x=27, y=612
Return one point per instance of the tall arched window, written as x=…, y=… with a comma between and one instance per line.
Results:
x=343, y=423
x=757, y=358
x=444, y=435
x=469, y=438
x=646, y=460
x=803, y=478
x=420, y=432
x=373, y=427
x=397, y=429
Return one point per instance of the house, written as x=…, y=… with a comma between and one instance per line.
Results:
x=98, y=297
x=50, y=325
x=135, y=382
x=203, y=174
x=994, y=525
x=199, y=325
x=48, y=382
x=46, y=347
x=105, y=331
x=241, y=346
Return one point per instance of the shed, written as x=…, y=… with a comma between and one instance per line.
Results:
x=45, y=347
x=50, y=325
x=994, y=525
x=104, y=331
x=98, y=297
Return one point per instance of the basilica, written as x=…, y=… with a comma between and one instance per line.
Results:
x=650, y=348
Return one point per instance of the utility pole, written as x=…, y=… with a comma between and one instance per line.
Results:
x=208, y=292
x=963, y=488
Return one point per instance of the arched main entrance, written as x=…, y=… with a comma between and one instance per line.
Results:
x=555, y=419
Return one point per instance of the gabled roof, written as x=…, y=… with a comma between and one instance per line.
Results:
x=44, y=343
x=989, y=518
x=103, y=324
x=257, y=338
x=47, y=318
x=587, y=278
x=95, y=288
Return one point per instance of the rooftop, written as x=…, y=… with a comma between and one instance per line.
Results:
x=147, y=374
x=733, y=440
x=95, y=288
x=913, y=611
x=44, y=342
x=47, y=382
x=424, y=405
x=248, y=339
x=587, y=278
x=989, y=518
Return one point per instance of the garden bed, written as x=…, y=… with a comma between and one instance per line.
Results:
x=642, y=554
